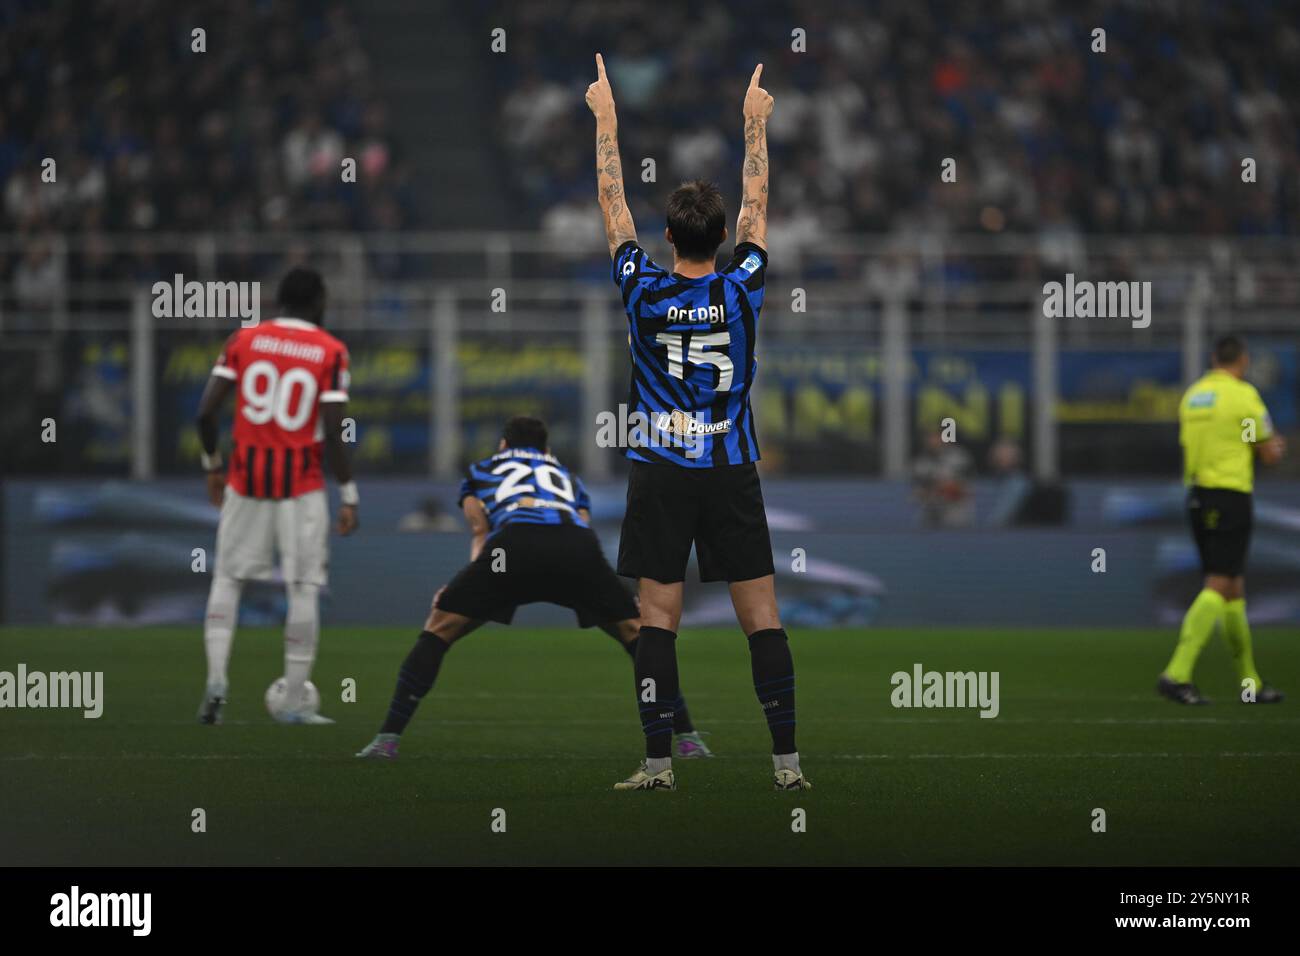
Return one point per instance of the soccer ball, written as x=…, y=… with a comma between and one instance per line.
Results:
x=278, y=692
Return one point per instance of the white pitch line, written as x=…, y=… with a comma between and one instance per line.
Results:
x=434, y=755
x=956, y=715
x=1081, y=720
x=1082, y=756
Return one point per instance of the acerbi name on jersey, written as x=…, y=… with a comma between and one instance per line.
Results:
x=712, y=314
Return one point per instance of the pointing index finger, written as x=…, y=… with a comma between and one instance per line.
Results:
x=758, y=73
x=600, y=67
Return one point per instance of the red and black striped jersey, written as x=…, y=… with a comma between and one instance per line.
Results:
x=283, y=370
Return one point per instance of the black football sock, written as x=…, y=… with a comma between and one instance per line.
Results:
x=656, y=661
x=682, y=718
x=773, y=668
x=414, y=680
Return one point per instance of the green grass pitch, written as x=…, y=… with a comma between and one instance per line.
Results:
x=540, y=723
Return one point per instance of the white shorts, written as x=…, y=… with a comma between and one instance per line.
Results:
x=252, y=531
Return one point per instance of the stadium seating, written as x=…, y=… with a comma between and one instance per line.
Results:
x=1147, y=137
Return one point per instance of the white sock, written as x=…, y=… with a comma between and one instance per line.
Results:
x=654, y=765
x=786, y=762
x=301, y=633
x=219, y=630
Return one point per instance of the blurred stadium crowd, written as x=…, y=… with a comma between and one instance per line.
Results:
x=152, y=137
x=1147, y=137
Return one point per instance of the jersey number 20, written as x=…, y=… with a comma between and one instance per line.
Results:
x=548, y=476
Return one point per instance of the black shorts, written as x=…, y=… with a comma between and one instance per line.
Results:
x=719, y=509
x=1221, y=522
x=548, y=564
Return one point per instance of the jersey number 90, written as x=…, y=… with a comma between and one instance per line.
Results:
x=287, y=399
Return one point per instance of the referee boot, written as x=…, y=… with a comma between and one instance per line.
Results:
x=1179, y=693
x=1267, y=694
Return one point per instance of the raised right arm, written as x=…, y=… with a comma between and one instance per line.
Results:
x=619, y=227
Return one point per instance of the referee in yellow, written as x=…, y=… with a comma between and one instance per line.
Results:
x=1223, y=424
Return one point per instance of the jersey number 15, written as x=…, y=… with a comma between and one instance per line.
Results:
x=696, y=355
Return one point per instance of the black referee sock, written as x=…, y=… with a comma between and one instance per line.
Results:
x=682, y=718
x=773, y=668
x=414, y=680
x=656, y=688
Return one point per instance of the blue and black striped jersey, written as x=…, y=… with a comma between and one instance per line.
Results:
x=528, y=486
x=692, y=345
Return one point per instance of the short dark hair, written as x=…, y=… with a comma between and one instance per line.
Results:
x=302, y=294
x=525, y=432
x=1227, y=349
x=696, y=219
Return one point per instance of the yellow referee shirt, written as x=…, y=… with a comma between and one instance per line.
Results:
x=1215, y=422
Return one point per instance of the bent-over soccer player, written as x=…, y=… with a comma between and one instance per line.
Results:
x=694, y=481
x=524, y=506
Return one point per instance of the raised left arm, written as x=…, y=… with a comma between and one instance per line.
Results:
x=619, y=227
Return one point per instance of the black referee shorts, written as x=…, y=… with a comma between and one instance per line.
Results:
x=1221, y=521
x=720, y=510
x=538, y=563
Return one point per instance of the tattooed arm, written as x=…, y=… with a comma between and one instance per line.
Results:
x=619, y=227
x=751, y=226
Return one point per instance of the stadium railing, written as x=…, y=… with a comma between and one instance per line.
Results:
x=853, y=296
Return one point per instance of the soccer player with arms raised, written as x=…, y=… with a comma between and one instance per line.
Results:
x=694, y=481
